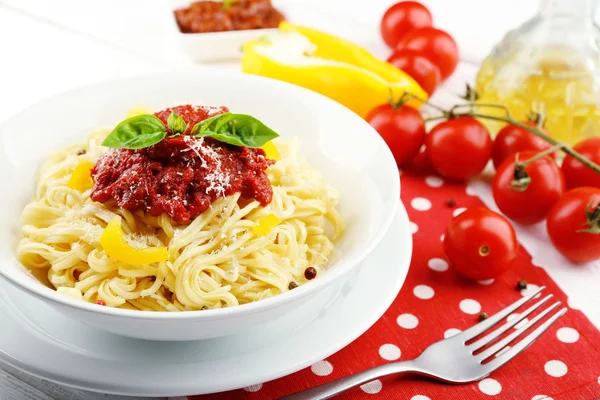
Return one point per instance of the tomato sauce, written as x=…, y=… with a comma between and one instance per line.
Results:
x=212, y=16
x=182, y=175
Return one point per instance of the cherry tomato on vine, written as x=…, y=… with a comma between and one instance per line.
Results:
x=480, y=244
x=434, y=44
x=577, y=174
x=527, y=194
x=402, y=127
x=401, y=18
x=574, y=224
x=512, y=139
x=459, y=148
x=418, y=67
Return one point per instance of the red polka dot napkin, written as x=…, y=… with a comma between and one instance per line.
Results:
x=435, y=303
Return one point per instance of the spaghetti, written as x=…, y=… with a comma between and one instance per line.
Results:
x=236, y=251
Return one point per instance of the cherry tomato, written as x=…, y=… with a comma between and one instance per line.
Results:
x=530, y=204
x=577, y=174
x=418, y=67
x=459, y=148
x=436, y=45
x=512, y=139
x=401, y=18
x=568, y=223
x=480, y=244
x=421, y=162
x=402, y=128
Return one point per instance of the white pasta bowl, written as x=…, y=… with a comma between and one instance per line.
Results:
x=350, y=154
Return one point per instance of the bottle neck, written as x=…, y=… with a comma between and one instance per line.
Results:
x=575, y=9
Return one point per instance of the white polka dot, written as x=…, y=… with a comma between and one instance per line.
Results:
x=414, y=228
x=530, y=289
x=322, y=368
x=520, y=323
x=407, y=321
x=541, y=397
x=504, y=350
x=567, y=335
x=574, y=304
x=253, y=388
x=470, y=306
x=420, y=204
x=434, y=181
x=438, y=264
x=486, y=282
x=555, y=368
x=420, y=397
x=423, y=292
x=389, y=352
x=489, y=386
x=442, y=237
x=458, y=211
x=451, y=332
x=372, y=387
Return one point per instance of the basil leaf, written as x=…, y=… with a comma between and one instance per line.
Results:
x=136, y=133
x=176, y=124
x=235, y=129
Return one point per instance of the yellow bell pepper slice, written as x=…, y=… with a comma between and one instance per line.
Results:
x=116, y=247
x=328, y=65
x=266, y=224
x=271, y=151
x=81, y=178
x=139, y=109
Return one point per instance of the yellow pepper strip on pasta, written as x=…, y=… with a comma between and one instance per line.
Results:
x=271, y=151
x=116, y=247
x=266, y=225
x=81, y=179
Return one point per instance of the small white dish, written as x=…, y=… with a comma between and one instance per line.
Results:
x=212, y=46
x=350, y=154
x=38, y=340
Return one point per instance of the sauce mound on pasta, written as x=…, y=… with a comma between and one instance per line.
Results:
x=182, y=175
x=152, y=229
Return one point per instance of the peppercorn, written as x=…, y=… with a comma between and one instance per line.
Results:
x=204, y=308
x=81, y=152
x=450, y=203
x=292, y=285
x=310, y=273
x=522, y=284
x=482, y=316
x=100, y=302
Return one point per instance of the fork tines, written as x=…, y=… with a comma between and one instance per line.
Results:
x=483, y=353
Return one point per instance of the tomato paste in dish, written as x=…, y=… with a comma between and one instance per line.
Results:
x=182, y=175
x=214, y=16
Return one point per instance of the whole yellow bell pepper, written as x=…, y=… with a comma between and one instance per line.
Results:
x=329, y=65
x=116, y=247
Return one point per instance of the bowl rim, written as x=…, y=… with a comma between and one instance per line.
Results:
x=342, y=267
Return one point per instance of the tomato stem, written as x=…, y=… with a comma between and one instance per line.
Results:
x=592, y=214
x=538, y=132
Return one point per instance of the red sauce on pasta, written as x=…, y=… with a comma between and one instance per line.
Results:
x=182, y=175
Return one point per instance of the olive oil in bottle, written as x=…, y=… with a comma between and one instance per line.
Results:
x=551, y=64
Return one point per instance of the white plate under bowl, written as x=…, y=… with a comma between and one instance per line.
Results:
x=350, y=154
x=38, y=340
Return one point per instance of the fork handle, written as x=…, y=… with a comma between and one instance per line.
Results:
x=338, y=386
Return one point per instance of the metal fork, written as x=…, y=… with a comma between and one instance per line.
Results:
x=456, y=359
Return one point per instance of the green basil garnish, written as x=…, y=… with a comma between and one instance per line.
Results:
x=235, y=129
x=146, y=130
x=136, y=133
x=176, y=124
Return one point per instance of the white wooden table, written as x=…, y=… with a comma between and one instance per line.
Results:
x=47, y=47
